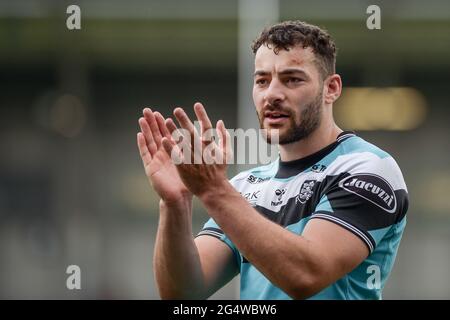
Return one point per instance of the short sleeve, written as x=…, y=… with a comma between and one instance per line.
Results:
x=367, y=201
x=211, y=228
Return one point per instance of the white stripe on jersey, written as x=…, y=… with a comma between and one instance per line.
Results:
x=362, y=162
x=367, y=162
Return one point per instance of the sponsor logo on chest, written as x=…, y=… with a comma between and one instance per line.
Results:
x=254, y=180
x=251, y=197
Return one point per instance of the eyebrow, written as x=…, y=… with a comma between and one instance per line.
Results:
x=283, y=72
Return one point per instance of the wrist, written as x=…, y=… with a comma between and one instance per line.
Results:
x=182, y=202
x=219, y=189
x=175, y=217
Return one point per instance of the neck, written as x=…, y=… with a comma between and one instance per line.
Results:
x=323, y=136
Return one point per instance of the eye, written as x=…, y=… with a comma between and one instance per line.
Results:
x=261, y=82
x=294, y=80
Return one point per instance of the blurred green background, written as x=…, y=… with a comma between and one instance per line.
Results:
x=72, y=186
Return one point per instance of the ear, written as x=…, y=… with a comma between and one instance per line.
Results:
x=332, y=88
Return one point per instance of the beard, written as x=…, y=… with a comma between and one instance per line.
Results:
x=308, y=123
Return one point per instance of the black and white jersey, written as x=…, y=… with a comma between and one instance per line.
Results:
x=351, y=183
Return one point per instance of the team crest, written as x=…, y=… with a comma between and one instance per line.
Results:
x=279, y=193
x=306, y=191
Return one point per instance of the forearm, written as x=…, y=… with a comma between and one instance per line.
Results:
x=177, y=267
x=286, y=259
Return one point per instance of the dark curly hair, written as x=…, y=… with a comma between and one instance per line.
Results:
x=287, y=34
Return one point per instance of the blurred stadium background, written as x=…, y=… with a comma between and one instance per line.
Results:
x=72, y=187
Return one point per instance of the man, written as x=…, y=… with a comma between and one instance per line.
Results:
x=325, y=219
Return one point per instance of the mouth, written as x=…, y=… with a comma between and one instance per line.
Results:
x=275, y=114
x=275, y=117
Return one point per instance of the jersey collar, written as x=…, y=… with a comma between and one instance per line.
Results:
x=288, y=169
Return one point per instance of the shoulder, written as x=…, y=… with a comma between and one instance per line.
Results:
x=356, y=156
x=360, y=171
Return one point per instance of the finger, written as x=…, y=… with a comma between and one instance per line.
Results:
x=228, y=146
x=190, y=130
x=172, y=150
x=175, y=134
x=143, y=124
x=170, y=125
x=177, y=137
x=150, y=118
x=184, y=120
x=143, y=149
x=221, y=131
x=161, y=124
x=225, y=140
x=219, y=150
x=202, y=116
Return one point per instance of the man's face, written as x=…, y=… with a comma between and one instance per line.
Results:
x=287, y=92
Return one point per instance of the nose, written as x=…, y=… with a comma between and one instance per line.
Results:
x=274, y=93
